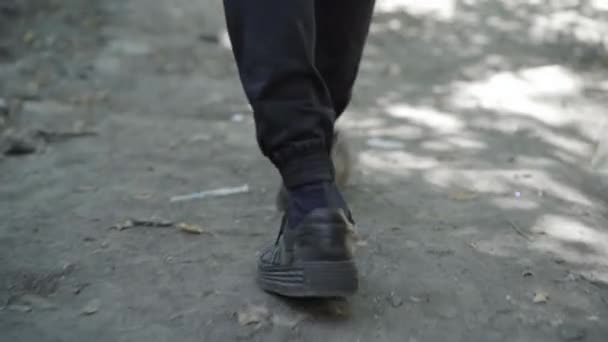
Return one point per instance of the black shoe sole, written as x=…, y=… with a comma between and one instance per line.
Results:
x=321, y=279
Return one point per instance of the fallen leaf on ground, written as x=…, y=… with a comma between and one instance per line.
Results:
x=91, y=307
x=540, y=297
x=150, y=222
x=416, y=299
x=288, y=322
x=124, y=225
x=59, y=136
x=153, y=222
x=253, y=314
x=463, y=195
x=190, y=228
x=29, y=37
x=527, y=273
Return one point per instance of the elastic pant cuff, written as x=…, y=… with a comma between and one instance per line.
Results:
x=301, y=167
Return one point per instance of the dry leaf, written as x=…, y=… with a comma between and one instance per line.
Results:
x=29, y=37
x=527, y=273
x=463, y=195
x=124, y=225
x=190, y=228
x=253, y=314
x=540, y=297
x=288, y=322
x=153, y=222
x=91, y=307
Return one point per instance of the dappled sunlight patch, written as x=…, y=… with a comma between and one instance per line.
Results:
x=531, y=92
x=568, y=229
x=510, y=203
x=501, y=183
x=464, y=142
x=599, y=5
x=566, y=147
x=452, y=143
x=438, y=9
x=425, y=116
x=562, y=142
x=547, y=184
x=572, y=239
x=474, y=180
x=361, y=123
x=569, y=22
x=398, y=163
x=437, y=145
x=403, y=132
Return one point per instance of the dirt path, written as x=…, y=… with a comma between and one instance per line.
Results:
x=474, y=124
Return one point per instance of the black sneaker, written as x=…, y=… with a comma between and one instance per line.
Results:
x=313, y=259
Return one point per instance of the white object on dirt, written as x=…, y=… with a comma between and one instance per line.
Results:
x=238, y=117
x=212, y=193
x=385, y=143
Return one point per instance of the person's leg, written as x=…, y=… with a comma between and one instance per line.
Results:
x=274, y=43
x=342, y=29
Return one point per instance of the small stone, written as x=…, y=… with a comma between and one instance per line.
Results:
x=572, y=333
x=394, y=300
x=19, y=146
x=540, y=297
x=91, y=307
x=559, y=261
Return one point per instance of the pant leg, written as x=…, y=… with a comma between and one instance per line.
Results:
x=342, y=29
x=274, y=46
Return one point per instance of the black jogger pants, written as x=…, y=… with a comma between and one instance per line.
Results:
x=298, y=60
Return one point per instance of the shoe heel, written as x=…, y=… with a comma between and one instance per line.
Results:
x=331, y=278
x=328, y=279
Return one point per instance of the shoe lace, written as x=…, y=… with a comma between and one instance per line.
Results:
x=281, y=230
